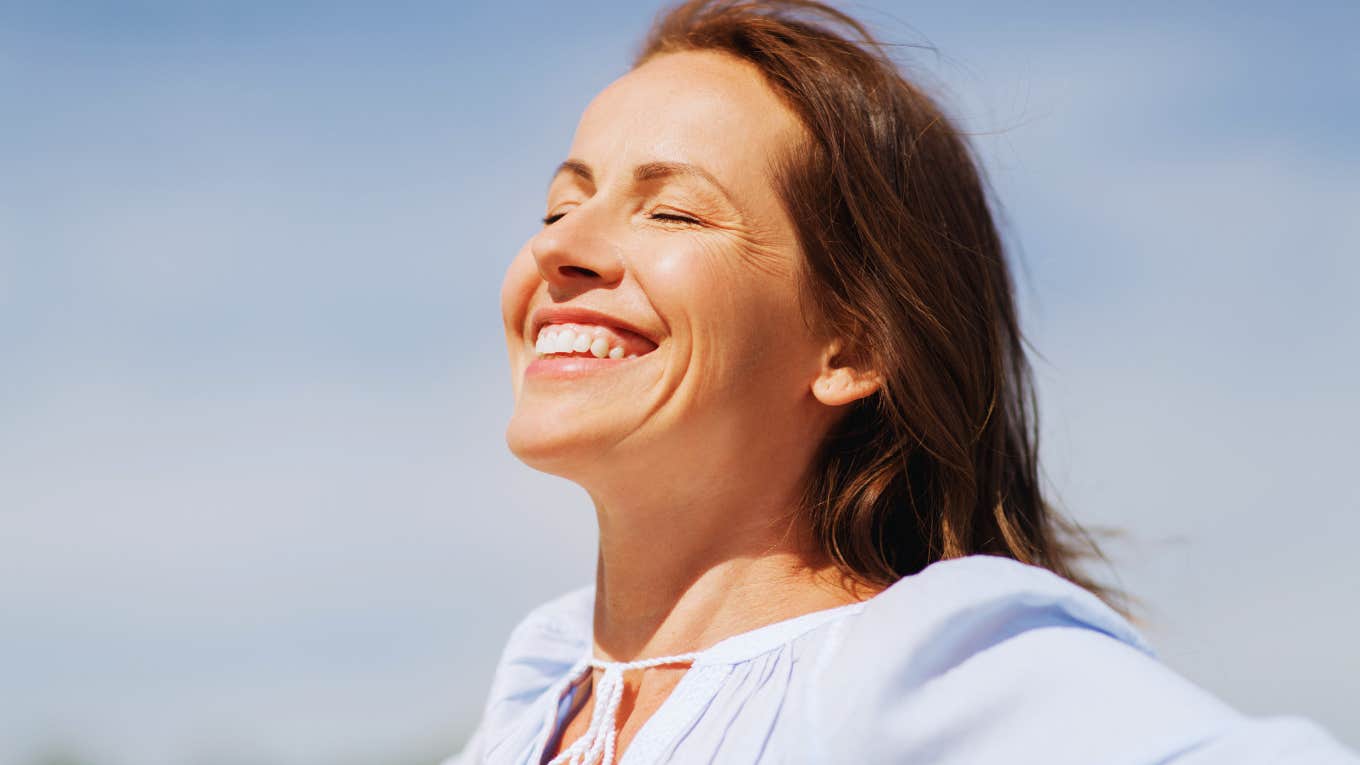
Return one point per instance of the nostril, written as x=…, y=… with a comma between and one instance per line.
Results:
x=576, y=271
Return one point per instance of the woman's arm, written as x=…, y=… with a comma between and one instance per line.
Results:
x=1064, y=696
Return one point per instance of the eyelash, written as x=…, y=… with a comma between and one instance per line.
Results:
x=551, y=219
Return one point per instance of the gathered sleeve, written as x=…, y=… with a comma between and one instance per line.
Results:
x=989, y=660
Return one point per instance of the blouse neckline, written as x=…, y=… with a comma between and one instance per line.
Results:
x=744, y=646
x=686, y=698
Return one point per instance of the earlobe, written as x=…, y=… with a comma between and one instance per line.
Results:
x=839, y=384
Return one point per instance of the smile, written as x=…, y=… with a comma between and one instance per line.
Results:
x=571, y=350
x=585, y=340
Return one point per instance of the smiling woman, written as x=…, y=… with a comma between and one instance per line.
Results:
x=768, y=326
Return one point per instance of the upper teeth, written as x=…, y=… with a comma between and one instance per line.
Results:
x=554, y=339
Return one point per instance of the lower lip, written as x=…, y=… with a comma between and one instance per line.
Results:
x=570, y=367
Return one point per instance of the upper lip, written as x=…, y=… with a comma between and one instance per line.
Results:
x=564, y=314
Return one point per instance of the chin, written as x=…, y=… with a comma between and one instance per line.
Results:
x=550, y=445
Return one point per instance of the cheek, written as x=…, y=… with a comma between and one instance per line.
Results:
x=693, y=288
x=740, y=316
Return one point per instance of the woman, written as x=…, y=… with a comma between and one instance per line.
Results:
x=768, y=326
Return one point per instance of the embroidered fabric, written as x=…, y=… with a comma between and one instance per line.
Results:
x=599, y=739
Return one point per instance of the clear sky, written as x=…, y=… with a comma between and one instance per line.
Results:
x=255, y=503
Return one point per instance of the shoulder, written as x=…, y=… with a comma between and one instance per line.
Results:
x=965, y=604
x=979, y=658
x=541, y=649
x=960, y=610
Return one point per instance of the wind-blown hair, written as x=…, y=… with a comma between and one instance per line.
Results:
x=902, y=260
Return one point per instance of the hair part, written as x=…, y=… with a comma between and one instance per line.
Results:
x=902, y=260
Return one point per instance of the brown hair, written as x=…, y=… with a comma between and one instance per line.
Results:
x=902, y=260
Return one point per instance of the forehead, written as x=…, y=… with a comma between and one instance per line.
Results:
x=703, y=107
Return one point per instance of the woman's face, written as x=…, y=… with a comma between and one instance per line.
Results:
x=667, y=239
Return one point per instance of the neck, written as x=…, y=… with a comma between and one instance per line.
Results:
x=679, y=576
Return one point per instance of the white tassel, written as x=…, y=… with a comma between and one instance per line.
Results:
x=599, y=738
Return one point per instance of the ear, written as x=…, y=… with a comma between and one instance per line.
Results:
x=840, y=383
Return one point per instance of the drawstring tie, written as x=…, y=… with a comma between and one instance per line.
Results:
x=599, y=737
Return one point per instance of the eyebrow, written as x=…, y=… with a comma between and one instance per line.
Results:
x=649, y=171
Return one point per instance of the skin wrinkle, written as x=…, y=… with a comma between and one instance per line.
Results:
x=652, y=171
x=716, y=216
x=717, y=377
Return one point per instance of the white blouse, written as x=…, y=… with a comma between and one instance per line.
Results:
x=973, y=660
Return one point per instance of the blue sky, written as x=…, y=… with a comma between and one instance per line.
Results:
x=255, y=505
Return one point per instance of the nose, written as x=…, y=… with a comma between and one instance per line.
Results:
x=574, y=253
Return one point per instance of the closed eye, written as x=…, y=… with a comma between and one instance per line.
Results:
x=551, y=219
x=671, y=217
